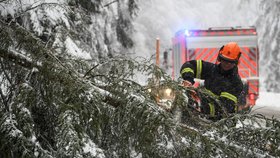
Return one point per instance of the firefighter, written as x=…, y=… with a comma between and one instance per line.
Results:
x=220, y=79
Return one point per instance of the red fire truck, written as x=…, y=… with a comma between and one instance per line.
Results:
x=204, y=44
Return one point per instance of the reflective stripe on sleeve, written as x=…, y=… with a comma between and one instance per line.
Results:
x=212, y=109
x=229, y=96
x=212, y=94
x=235, y=108
x=198, y=68
x=186, y=70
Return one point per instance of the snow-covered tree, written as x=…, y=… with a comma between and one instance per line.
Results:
x=59, y=100
x=269, y=43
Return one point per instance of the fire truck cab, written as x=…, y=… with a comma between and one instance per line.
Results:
x=204, y=45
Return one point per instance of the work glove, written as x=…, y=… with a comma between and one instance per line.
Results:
x=188, y=78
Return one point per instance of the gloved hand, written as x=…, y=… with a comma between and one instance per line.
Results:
x=188, y=78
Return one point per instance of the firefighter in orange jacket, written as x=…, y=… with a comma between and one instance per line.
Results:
x=221, y=79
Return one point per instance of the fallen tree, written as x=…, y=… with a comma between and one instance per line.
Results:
x=54, y=105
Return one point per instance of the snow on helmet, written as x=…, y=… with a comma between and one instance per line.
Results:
x=229, y=52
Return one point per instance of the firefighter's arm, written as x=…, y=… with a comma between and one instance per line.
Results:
x=229, y=102
x=195, y=69
x=229, y=99
x=187, y=71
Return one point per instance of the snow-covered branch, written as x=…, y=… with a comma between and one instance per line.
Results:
x=19, y=59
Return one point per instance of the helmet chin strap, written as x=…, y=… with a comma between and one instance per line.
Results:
x=218, y=59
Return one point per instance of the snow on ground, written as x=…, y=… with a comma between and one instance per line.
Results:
x=268, y=99
x=268, y=104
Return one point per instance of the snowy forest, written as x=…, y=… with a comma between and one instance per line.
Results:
x=69, y=77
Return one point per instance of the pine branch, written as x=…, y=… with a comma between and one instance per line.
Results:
x=37, y=6
x=90, y=70
x=18, y=59
x=4, y=100
x=29, y=64
x=5, y=73
x=106, y=5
